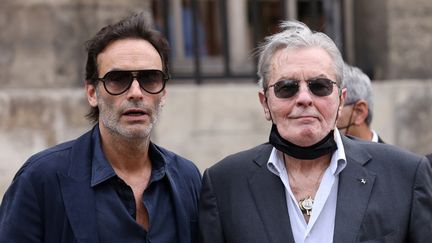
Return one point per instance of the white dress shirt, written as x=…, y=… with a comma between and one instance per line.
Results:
x=374, y=137
x=322, y=220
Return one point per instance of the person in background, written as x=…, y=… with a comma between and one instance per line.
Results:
x=112, y=184
x=310, y=183
x=357, y=112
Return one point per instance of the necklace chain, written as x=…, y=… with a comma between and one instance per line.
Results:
x=306, y=204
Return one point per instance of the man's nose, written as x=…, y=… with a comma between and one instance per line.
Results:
x=135, y=90
x=304, y=95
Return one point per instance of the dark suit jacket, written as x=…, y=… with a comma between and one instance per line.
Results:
x=429, y=156
x=50, y=199
x=242, y=201
x=380, y=140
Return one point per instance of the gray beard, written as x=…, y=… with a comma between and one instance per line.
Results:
x=113, y=126
x=109, y=120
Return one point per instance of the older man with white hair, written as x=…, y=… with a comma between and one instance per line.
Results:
x=310, y=183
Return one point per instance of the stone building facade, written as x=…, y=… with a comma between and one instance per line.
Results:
x=42, y=59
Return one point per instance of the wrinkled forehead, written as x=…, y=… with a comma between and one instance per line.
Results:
x=129, y=54
x=301, y=64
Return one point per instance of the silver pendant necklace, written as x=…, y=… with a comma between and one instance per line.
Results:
x=306, y=205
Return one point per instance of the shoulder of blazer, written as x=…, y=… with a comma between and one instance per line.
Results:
x=180, y=170
x=379, y=154
x=244, y=160
x=177, y=163
x=429, y=156
x=58, y=158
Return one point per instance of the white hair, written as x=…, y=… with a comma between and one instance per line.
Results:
x=296, y=35
x=359, y=87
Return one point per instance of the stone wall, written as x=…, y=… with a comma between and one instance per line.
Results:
x=370, y=37
x=393, y=38
x=409, y=39
x=42, y=41
x=42, y=66
x=204, y=123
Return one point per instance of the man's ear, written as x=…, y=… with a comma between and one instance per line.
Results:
x=342, y=97
x=91, y=93
x=360, y=112
x=264, y=104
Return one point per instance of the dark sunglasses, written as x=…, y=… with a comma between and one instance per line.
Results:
x=118, y=81
x=288, y=88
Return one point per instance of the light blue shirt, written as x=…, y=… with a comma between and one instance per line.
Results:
x=321, y=223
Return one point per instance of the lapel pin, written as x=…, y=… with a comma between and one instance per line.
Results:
x=363, y=181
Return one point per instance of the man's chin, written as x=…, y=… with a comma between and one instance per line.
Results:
x=306, y=139
x=139, y=132
x=135, y=131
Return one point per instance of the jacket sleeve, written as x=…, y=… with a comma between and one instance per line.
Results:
x=420, y=229
x=209, y=219
x=20, y=214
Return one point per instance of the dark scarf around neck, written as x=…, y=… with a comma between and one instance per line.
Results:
x=326, y=146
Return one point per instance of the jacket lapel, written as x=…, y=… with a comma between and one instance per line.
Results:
x=183, y=225
x=181, y=208
x=355, y=186
x=78, y=196
x=268, y=193
x=380, y=140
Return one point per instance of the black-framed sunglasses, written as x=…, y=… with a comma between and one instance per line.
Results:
x=118, y=81
x=288, y=88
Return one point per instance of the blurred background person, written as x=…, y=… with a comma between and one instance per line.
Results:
x=357, y=113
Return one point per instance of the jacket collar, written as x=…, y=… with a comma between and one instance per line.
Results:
x=355, y=186
x=79, y=198
x=103, y=171
x=77, y=195
x=271, y=203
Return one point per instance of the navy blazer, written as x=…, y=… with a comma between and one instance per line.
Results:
x=429, y=156
x=50, y=199
x=242, y=201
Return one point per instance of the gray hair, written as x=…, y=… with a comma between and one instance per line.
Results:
x=296, y=35
x=358, y=86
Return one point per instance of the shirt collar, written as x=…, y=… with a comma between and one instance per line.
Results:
x=374, y=136
x=339, y=155
x=103, y=171
x=338, y=162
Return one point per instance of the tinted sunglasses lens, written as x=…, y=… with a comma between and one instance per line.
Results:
x=321, y=87
x=116, y=82
x=151, y=81
x=285, y=88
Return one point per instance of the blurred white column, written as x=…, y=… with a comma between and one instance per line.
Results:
x=177, y=28
x=239, y=37
x=291, y=10
x=349, y=30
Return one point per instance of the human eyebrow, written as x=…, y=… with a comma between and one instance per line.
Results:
x=288, y=78
x=318, y=77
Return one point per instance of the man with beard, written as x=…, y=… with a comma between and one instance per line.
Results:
x=310, y=183
x=112, y=184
